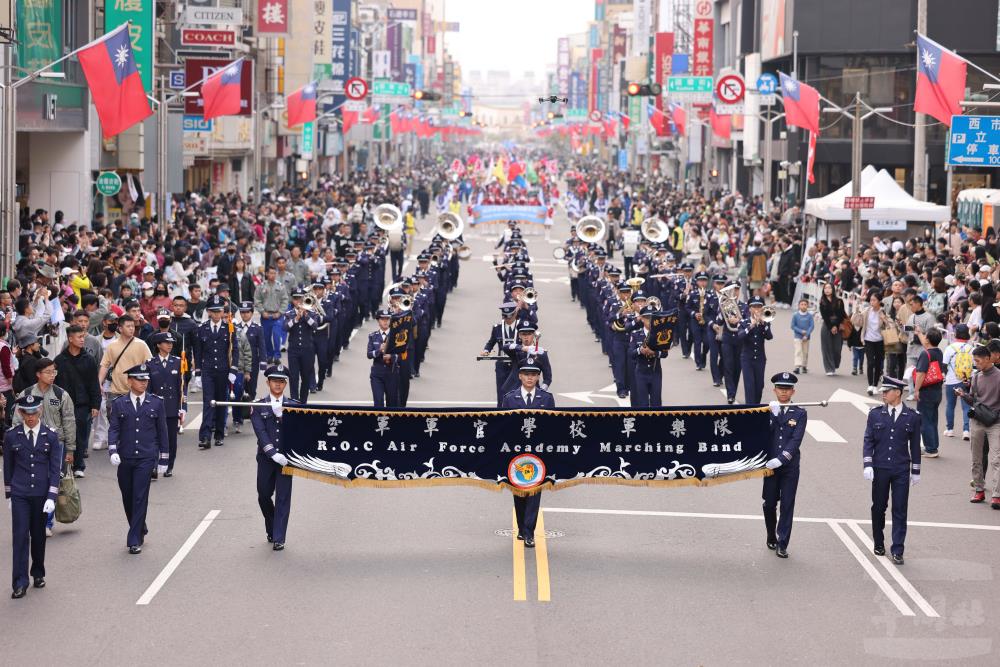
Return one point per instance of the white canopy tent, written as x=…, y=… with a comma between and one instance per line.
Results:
x=891, y=202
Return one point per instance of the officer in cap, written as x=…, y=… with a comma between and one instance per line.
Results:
x=891, y=460
x=527, y=352
x=532, y=397
x=251, y=332
x=715, y=328
x=647, y=388
x=271, y=481
x=217, y=355
x=139, y=445
x=384, y=374
x=752, y=333
x=788, y=426
x=167, y=381
x=301, y=325
x=699, y=310
x=504, y=333
x=31, y=465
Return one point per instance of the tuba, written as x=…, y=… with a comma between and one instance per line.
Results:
x=654, y=230
x=591, y=229
x=449, y=226
x=729, y=306
x=387, y=217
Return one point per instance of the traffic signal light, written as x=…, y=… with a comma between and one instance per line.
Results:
x=426, y=96
x=644, y=89
x=554, y=114
x=465, y=114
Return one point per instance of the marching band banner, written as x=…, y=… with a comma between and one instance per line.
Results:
x=526, y=451
x=493, y=213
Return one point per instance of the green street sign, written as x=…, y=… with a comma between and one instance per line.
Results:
x=384, y=87
x=576, y=113
x=308, y=135
x=140, y=13
x=689, y=84
x=109, y=183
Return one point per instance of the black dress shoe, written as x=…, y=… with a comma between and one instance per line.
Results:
x=529, y=542
x=153, y=476
x=135, y=550
x=39, y=582
x=19, y=593
x=897, y=559
x=270, y=539
x=781, y=552
x=169, y=473
x=278, y=546
x=716, y=384
x=622, y=394
x=520, y=536
x=772, y=544
x=879, y=551
x=204, y=444
x=219, y=443
x=730, y=400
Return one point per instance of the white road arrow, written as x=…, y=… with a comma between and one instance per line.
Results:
x=860, y=401
x=966, y=158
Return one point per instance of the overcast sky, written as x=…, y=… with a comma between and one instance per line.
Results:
x=514, y=35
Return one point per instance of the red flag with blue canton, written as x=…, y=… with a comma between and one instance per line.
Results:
x=221, y=91
x=301, y=105
x=114, y=82
x=940, y=81
x=801, y=104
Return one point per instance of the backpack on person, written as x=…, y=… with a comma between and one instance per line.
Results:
x=962, y=364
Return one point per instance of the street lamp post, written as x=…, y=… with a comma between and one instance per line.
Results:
x=260, y=118
x=854, y=112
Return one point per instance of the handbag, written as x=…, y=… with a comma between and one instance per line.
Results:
x=890, y=336
x=934, y=375
x=846, y=329
x=981, y=412
x=68, y=505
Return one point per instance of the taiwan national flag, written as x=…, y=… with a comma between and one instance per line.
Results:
x=114, y=82
x=940, y=81
x=801, y=104
x=301, y=105
x=680, y=119
x=722, y=126
x=221, y=91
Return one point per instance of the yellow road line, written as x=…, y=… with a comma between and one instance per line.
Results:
x=520, y=585
x=542, y=559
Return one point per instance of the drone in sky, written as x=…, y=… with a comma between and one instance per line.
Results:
x=553, y=99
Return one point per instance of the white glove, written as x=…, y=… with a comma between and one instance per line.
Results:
x=49, y=507
x=232, y=378
x=280, y=459
x=115, y=459
x=276, y=409
x=914, y=479
x=869, y=473
x=773, y=463
x=161, y=469
x=775, y=408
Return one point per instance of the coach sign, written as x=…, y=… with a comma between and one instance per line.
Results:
x=201, y=37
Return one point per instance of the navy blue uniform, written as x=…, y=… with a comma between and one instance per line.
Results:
x=753, y=359
x=140, y=439
x=254, y=334
x=301, y=354
x=701, y=331
x=217, y=356
x=270, y=480
x=526, y=507
x=502, y=335
x=520, y=356
x=30, y=477
x=893, y=450
x=647, y=386
x=787, y=431
x=165, y=381
x=383, y=377
x=714, y=339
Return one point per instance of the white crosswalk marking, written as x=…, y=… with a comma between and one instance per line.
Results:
x=821, y=431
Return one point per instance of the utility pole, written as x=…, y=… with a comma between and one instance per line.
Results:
x=162, y=196
x=920, y=125
x=9, y=227
x=769, y=118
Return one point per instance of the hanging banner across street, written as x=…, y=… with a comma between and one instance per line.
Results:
x=526, y=450
x=493, y=213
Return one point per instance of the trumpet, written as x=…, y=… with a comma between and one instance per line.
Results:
x=530, y=296
x=768, y=315
x=405, y=303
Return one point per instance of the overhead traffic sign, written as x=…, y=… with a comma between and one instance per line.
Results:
x=595, y=116
x=356, y=88
x=385, y=91
x=974, y=141
x=730, y=89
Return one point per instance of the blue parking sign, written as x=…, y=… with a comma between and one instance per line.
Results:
x=974, y=141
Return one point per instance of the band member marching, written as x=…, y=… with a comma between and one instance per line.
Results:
x=647, y=389
x=167, y=382
x=301, y=324
x=753, y=331
x=217, y=357
x=527, y=353
x=788, y=427
x=891, y=460
x=528, y=396
x=271, y=481
x=699, y=309
x=503, y=334
x=384, y=374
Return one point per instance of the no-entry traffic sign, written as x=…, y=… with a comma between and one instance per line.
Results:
x=730, y=89
x=356, y=88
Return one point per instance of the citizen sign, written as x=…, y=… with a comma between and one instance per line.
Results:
x=213, y=16
x=196, y=37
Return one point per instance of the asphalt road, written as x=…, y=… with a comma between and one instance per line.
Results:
x=432, y=575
